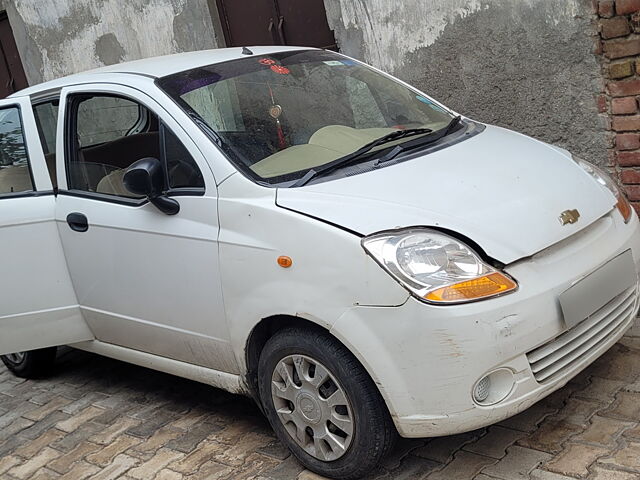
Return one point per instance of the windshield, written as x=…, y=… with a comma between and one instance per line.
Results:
x=278, y=116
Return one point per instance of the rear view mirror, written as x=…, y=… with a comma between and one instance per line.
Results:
x=146, y=177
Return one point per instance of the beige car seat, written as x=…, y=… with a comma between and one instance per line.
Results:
x=113, y=184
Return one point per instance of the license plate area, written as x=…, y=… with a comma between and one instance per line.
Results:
x=597, y=289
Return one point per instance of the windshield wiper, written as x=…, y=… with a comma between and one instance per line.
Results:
x=358, y=154
x=426, y=140
x=431, y=137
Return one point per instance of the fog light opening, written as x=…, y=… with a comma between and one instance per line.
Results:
x=481, y=392
x=493, y=387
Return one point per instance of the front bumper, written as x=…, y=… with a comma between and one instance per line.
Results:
x=426, y=359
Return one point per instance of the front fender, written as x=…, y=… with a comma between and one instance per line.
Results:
x=330, y=272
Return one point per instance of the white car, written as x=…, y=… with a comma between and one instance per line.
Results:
x=294, y=225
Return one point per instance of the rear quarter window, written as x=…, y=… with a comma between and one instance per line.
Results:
x=15, y=173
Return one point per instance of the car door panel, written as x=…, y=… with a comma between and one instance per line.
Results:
x=39, y=307
x=146, y=280
x=135, y=292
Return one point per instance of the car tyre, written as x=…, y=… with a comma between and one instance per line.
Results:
x=32, y=364
x=302, y=413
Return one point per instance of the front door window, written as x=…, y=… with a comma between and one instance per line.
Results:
x=109, y=134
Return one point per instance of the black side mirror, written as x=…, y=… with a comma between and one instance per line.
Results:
x=145, y=177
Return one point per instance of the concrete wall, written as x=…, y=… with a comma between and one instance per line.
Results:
x=56, y=38
x=524, y=64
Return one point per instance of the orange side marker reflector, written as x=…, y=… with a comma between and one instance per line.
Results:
x=285, y=262
x=624, y=207
x=487, y=286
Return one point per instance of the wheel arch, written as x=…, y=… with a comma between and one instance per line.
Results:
x=258, y=337
x=268, y=327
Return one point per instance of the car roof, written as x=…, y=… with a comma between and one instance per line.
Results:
x=154, y=67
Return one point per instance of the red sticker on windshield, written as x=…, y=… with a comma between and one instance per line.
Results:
x=267, y=61
x=280, y=69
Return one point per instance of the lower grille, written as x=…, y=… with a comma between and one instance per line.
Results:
x=559, y=355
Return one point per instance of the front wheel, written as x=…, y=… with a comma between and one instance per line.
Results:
x=323, y=405
x=32, y=364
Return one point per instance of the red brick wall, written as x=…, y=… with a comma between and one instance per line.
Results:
x=618, y=46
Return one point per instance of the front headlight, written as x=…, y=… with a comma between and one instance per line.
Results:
x=435, y=267
x=622, y=204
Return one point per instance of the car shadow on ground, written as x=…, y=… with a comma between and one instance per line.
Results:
x=135, y=390
x=144, y=386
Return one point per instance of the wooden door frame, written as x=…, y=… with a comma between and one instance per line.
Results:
x=222, y=18
x=224, y=21
x=17, y=63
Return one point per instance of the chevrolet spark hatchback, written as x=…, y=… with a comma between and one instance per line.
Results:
x=294, y=225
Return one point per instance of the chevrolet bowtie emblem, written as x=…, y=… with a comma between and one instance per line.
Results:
x=569, y=217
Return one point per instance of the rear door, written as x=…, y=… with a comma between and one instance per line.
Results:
x=38, y=306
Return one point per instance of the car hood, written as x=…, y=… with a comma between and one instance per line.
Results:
x=501, y=189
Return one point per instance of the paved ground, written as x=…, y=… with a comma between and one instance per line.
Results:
x=102, y=419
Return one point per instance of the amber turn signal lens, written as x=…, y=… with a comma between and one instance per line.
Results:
x=487, y=286
x=285, y=262
x=624, y=207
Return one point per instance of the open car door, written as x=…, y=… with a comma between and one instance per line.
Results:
x=38, y=306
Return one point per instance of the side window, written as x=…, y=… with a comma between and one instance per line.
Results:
x=183, y=172
x=117, y=133
x=46, y=115
x=103, y=119
x=15, y=174
x=105, y=143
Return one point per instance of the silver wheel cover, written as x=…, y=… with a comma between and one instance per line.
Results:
x=312, y=407
x=15, y=357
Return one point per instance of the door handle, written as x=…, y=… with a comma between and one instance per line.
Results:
x=283, y=40
x=78, y=222
x=274, y=35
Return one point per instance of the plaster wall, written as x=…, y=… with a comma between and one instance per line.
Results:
x=523, y=64
x=57, y=38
